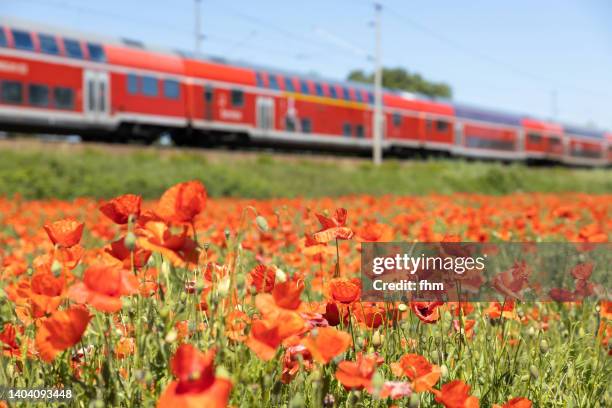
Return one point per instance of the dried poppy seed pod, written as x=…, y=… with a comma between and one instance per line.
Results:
x=544, y=346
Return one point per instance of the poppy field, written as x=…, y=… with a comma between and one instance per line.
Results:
x=192, y=301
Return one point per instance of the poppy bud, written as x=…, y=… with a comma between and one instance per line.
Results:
x=171, y=336
x=98, y=404
x=228, y=234
x=222, y=372
x=224, y=286
x=533, y=370
x=56, y=268
x=353, y=398
x=139, y=375
x=438, y=357
x=543, y=346
x=262, y=224
x=415, y=401
x=531, y=331
x=130, y=241
x=280, y=276
x=377, y=339
x=443, y=371
x=402, y=307
x=377, y=382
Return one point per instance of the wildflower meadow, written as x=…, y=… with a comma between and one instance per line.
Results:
x=192, y=301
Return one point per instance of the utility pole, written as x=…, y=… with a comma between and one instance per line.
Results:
x=377, y=117
x=197, y=27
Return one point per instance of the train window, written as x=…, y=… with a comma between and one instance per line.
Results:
x=318, y=89
x=63, y=97
x=289, y=85
x=371, y=97
x=442, y=126
x=306, y=125
x=48, y=44
x=11, y=92
x=73, y=48
x=23, y=40
x=359, y=132
x=290, y=123
x=358, y=96
x=273, y=82
x=345, y=94
x=2, y=37
x=172, y=89
x=237, y=98
x=304, y=87
x=38, y=95
x=149, y=86
x=96, y=52
x=347, y=129
x=397, y=120
x=132, y=84
x=534, y=137
x=259, y=79
x=332, y=92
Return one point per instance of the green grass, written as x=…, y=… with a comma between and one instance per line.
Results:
x=94, y=172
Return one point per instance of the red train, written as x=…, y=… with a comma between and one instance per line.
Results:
x=55, y=81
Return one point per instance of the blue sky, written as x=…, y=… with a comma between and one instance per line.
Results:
x=508, y=55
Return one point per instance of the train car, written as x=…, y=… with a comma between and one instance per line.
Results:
x=543, y=141
x=609, y=148
x=584, y=146
x=413, y=123
x=42, y=80
x=482, y=133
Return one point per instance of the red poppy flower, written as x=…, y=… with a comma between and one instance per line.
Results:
x=182, y=202
x=285, y=297
x=262, y=277
x=518, y=402
x=345, y=290
x=66, y=233
x=8, y=337
x=196, y=384
x=120, y=208
x=421, y=372
x=266, y=336
x=294, y=358
x=327, y=343
x=358, y=374
x=333, y=228
x=179, y=248
x=119, y=251
x=427, y=312
x=456, y=394
x=103, y=286
x=62, y=330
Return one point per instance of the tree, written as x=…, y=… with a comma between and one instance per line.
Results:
x=400, y=79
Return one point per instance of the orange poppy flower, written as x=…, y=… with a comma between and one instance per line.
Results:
x=518, y=402
x=267, y=335
x=182, y=202
x=294, y=358
x=327, y=343
x=62, y=330
x=120, y=208
x=357, y=374
x=375, y=232
x=285, y=297
x=427, y=312
x=333, y=227
x=456, y=394
x=511, y=282
x=119, y=251
x=103, y=286
x=605, y=310
x=344, y=290
x=66, y=233
x=179, y=248
x=8, y=337
x=196, y=384
x=262, y=278
x=496, y=310
x=421, y=372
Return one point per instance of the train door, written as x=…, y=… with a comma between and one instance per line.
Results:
x=265, y=113
x=96, y=96
x=209, y=98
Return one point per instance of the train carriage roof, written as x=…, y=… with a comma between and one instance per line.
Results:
x=485, y=115
x=583, y=131
x=545, y=126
